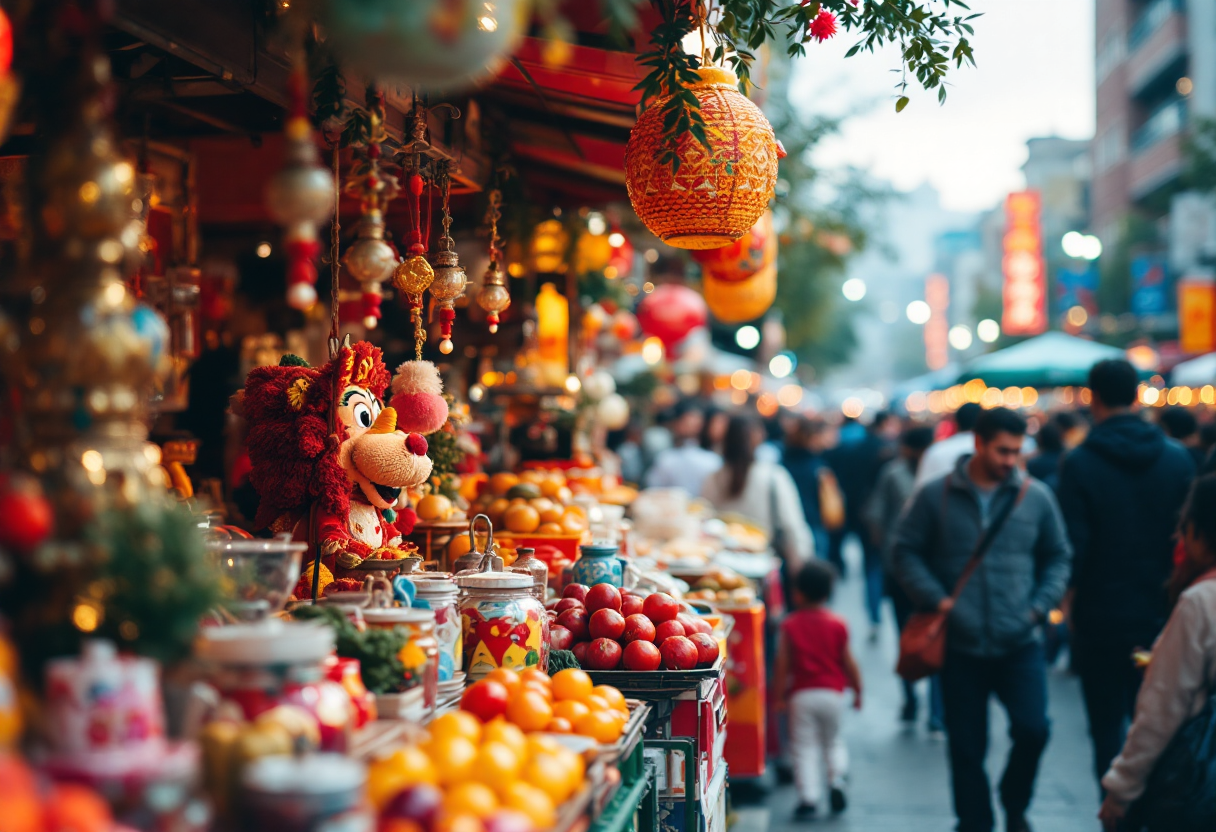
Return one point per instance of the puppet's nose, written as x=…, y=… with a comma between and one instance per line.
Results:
x=386, y=422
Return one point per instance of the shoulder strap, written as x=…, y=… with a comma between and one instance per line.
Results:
x=986, y=539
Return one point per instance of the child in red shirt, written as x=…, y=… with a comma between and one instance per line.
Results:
x=814, y=669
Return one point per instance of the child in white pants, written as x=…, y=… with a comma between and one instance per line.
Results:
x=814, y=669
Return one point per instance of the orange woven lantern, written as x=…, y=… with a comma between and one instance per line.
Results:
x=715, y=197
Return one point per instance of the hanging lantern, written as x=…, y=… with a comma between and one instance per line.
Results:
x=744, y=257
x=735, y=302
x=591, y=252
x=553, y=334
x=450, y=278
x=494, y=296
x=370, y=260
x=620, y=261
x=548, y=248
x=613, y=411
x=428, y=45
x=300, y=196
x=670, y=312
x=715, y=196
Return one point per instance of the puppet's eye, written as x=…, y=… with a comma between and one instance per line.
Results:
x=375, y=410
x=363, y=415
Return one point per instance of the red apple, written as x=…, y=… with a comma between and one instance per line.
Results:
x=642, y=655
x=560, y=638
x=630, y=604
x=666, y=630
x=707, y=648
x=603, y=597
x=569, y=604
x=679, y=653
x=694, y=624
x=606, y=623
x=552, y=605
x=578, y=591
x=604, y=654
x=580, y=652
x=660, y=607
x=638, y=628
x=576, y=622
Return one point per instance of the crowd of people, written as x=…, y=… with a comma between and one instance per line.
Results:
x=1095, y=527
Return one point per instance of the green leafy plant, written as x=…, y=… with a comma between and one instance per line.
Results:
x=931, y=35
x=377, y=650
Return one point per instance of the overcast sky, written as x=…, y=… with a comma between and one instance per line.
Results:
x=1033, y=77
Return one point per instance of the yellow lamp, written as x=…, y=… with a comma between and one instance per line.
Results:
x=553, y=332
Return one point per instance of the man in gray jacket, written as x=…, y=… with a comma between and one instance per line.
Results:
x=994, y=643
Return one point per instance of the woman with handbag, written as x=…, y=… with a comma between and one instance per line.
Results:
x=762, y=492
x=1164, y=779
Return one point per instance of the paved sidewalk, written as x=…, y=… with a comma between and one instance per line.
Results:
x=900, y=778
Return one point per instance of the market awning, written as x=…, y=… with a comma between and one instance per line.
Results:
x=1197, y=372
x=1053, y=359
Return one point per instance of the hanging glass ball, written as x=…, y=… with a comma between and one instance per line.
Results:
x=450, y=279
x=445, y=346
x=370, y=259
x=302, y=296
x=413, y=275
x=300, y=194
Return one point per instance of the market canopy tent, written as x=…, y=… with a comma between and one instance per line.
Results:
x=1049, y=360
x=1197, y=372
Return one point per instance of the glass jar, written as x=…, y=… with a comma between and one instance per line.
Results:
x=503, y=623
x=421, y=655
x=257, y=667
x=439, y=593
x=315, y=793
x=529, y=564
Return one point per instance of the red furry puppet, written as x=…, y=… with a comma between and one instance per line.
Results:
x=355, y=478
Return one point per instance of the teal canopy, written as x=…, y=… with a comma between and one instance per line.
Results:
x=1053, y=359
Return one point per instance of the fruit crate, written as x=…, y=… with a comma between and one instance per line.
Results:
x=658, y=685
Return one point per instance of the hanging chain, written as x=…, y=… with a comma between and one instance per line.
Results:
x=334, y=266
x=494, y=214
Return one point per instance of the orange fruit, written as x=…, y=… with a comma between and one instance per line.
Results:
x=508, y=678
x=532, y=476
x=549, y=528
x=612, y=696
x=533, y=674
x=542, y=504
x=531, y=801
x=501, y=483
x=521, y=519
x=572, y=683
x=506, y=733
x=434, y=507
x=578, y=511
x=551, y=486
x=453, y=759
x=558, y=725
x=573, y=523
x=458, y=821
x=596, y=703
x=476, y=799
x=601, y=726
x=455, y=724
x=564, y=495
x=406, y=767
x=497, y=509
x=496, y=766
x=530, y=710
x=548, y=773
x=570, y=709
x=537, y=687
x=553, y=514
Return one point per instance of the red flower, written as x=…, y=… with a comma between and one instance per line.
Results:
x=823, y=26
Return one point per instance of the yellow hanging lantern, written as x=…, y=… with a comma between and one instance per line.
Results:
x=735, y=302
x=715, y=197
x=553, y=334
x=549, y=242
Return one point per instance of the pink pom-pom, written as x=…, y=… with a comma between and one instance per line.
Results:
x=416, y=445
x=420, y=412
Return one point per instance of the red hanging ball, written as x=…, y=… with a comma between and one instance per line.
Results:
x=301, y=271
x=416, y=184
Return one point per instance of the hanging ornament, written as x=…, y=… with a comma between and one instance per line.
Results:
x=370, y=260
x=494, y=296
x=450, y=279
x=300, y=196
x=414, y=275
x=670, y=312
x=716, y=194
x=744, y=257
x=740, y=301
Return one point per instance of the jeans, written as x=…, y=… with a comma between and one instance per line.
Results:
x=1109, y=684
x=1019, y=681
x=871, y=565
x=903, y=608
x=816, y=747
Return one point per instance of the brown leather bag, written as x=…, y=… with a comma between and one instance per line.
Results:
x=922, y=644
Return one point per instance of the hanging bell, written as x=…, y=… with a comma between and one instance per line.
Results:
x=494, y=296
x=448, y=285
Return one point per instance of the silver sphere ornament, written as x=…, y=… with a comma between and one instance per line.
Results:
x=301, y=296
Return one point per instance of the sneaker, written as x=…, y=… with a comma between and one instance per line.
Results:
x=839, y=800
x=805, y=811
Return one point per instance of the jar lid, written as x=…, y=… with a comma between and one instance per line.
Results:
x=495, y=580
x=310, y=774
x=266, y=642
x=398, y=615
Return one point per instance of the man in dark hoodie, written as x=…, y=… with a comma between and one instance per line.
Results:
x=1121, y=491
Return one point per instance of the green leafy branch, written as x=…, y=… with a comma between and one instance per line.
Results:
x=932, y=35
